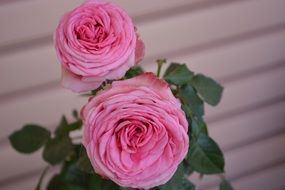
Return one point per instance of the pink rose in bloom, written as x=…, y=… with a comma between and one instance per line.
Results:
x=95, y=42
x=135, y=132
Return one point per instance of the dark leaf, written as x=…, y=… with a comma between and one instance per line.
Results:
x=178, y=74
x=198, y=127
x=210, y=90
x=134, y=71
x=192, y=104
x=75, y=114
x=178, y=181
x=225, y=185
x=68, y=186
x=187, y=169
x=73, y=175
x=187, y=185
x=57, y=149
x=73, y=187
x=97, y=182
x=84, y=163
x=109, y=185
x=75, y=125
x=64, y=127
x=175, y=182
x=205, y=156
x=58, y=183
x=29, y=139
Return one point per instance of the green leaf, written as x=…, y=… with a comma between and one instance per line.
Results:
x=178, y=181
x=210, y=90
x=225, y=185
x=72, y=187
x=175, y=181
x=187, y=185
x=64, y=128
x=97, y=182
x=58, y=183
x=192, y=104
x=84, y=163
x=205, y=156
x=75, y=114
x=134, y=71
x=73, y=175
x=109, y=185
x=60, y=130
x=29, y=139
x=187, y=169
x=178, y=74
x=198, y=127
x=57, y=149
x=75, y=126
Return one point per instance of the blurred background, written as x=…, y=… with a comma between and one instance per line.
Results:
x=241, y=43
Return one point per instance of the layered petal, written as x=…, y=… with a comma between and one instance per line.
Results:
x=135, y=132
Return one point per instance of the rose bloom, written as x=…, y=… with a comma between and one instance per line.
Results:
x=95, y=42
x=135, y=132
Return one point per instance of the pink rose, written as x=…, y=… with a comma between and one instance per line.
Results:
x=95, y=42
x=135, y=132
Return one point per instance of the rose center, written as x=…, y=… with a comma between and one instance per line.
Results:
x=90, y=32
x=133, y=135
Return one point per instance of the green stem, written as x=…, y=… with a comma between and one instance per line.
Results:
x=159, y=62
x=42, y=177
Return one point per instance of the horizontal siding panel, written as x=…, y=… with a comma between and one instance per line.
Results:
x=243, y=94
x=193, y=29
x=43, y=108
x=28, y=68
x=27, y=184
x=16, y=164
x=272, y=178
x=248, y=127
x=233, y=19
x=238, y=58
x=26, y=25
x=30, y=181
x=247, y=159
x=38, y=66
